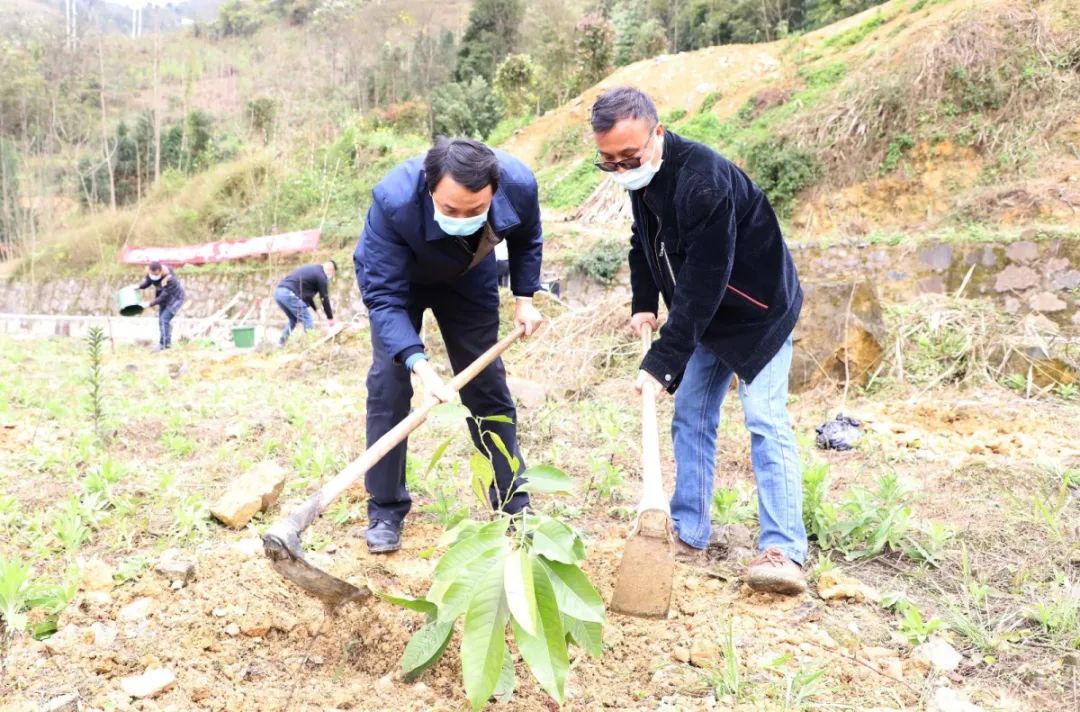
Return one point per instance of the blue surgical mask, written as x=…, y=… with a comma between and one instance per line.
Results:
x=638, y=178
x=460, y=227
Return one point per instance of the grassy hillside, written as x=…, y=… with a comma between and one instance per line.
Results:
x=941, y=117
x=914, y=115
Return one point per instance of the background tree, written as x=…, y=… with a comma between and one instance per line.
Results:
x=595, y=49
x=515, y=84
x=491, y=35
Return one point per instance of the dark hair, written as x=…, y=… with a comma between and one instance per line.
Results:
x=334, y=262
x=620, y=103
x=470, y=163
x=155, y=266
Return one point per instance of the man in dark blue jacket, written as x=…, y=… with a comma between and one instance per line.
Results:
x=168, y=298
x=706, y=239
x=428, y=244
x=295, y=295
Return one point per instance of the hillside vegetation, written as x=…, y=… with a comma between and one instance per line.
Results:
x=913, y=117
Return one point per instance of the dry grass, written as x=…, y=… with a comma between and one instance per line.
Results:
x=972, y=78
x=946, y=339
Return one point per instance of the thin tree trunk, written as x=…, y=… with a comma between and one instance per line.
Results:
x=157, y=116
x=105, y=129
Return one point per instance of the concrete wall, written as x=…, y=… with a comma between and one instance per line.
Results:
x=1027, y=276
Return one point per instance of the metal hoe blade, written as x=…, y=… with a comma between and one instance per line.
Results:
x=283, y=550
x=643, y=584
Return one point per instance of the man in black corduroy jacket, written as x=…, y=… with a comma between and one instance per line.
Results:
x=706, y=239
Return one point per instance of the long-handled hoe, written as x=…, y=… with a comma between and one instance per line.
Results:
x=643, y=584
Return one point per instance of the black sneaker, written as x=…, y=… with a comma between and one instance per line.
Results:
x=383, y=536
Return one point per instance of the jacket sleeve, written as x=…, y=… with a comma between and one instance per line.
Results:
x=699, y=287
x=525, y=246
x=645, y=294
x=324, y=296
x=144, y=283
x=381, y=261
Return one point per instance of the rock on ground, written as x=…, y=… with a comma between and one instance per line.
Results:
x=836, y=585
x=936, y=654
x=174, y=566
x=255, y=490
x=152, y=682
x=947, y=699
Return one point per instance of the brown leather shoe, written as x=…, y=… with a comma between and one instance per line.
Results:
x=686, y=554
x=772, y=572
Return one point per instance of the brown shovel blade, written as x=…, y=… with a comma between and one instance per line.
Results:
x=288, y=560
x=643, y=584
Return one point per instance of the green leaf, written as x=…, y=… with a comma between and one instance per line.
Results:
x=483, y=475
x=520, y=593
x=553, y=539
x=448, y=414
x=459, y=593
x=483, y=644
x=461, y=554
x=420, y=605
x=545, y=652
x=587, y=636
x=576, y=596
x=454, y=597
x=425, y=648
x=545, y=478
x=504, y=688
x=501, y=447
x=460, y=531
x=437, y=455
x=497, y=419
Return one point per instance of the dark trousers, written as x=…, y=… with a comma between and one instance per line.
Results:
x=165, y=317
x=468, y=329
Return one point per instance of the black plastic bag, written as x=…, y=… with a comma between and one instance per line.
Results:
x=839, y=434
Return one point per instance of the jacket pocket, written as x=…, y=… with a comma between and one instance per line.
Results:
x=746, y=297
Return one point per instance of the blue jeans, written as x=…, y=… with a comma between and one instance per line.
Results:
x=772, y=451
x=294, y=309
x=165, y=317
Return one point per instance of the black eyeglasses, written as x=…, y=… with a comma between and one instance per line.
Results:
x=627, y=164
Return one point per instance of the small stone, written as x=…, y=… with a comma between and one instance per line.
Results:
x=1067, y=280
x=255, y=490
x=97, y=599
x=1070, y=660
x=681, y=654
x=63, y=703
x=834, y=585
x=892, y=667
x=1016, y=278
x=137, y=610
x=1023, y=251
x=232, y=630
x=384, y=684
x=175, y=567
x=220, y=612
x=64, y=640
x=947, y=699
x=249, y=548
x=704, y=653
x=255, y=626
x=152, y=682
x=95, y=575
x=938, y=655
x=104, y=635
x=1046, y=302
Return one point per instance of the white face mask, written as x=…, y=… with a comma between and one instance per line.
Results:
x=156, y=277
x=460, y=227
x=638, y=178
